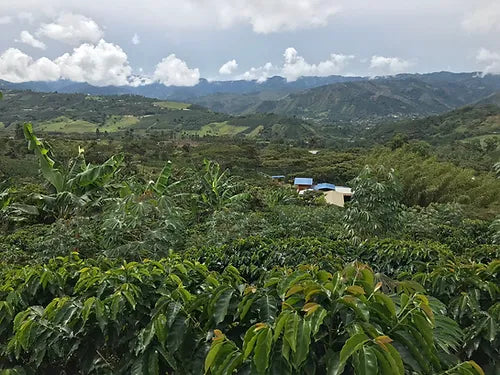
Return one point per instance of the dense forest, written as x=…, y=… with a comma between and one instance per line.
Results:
x=134, y=252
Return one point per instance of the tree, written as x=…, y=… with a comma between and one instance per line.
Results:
x=375, y=208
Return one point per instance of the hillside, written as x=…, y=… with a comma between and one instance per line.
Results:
x=79, y=113
x=326, y=99
x=491, y=99
x=464, y=124
x=375, y=100
x=365, y=101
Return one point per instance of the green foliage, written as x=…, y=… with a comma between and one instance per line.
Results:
x=144, y=220
x=374, y=209
x=219, y=190
x=47, y=166
x=283, y=287
x=108, y=317
x=425, y=180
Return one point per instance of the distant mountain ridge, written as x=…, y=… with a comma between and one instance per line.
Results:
x=381, y=99
x=181, y=93
x=324, y=100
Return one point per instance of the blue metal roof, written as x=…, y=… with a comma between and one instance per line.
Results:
x=324, y=186
x=303, y=181
x=279, y=176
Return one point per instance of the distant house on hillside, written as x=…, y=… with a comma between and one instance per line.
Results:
x=336, y=195
x=303, y=183
x=339, y=196
x=324, y=186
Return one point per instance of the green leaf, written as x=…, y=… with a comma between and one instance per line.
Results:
x=353, y=344
x=262, y=350
x=49, y=172
x=316, y=319
x=176, y=333
x=383, y=363
x=221, y=305
x=130, y=298
x=396, y=358
x=99, y=314
x=87, y=306
x=267, y=306
x=303, y=343
x=366, y=363
x=162, y=182
x=333, y=364
x=231, y=363
x=387, y=302
x=212, y=354
x=291, y=331
x=153, y=363
x=280, y=323
x=161, y=329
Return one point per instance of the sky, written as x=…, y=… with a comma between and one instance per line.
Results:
x=130, y=42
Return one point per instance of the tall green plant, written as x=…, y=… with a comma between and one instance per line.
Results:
x=375, y=207
x=76, y=187
x=218, y=189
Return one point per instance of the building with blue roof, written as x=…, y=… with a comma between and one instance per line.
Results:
x=303, y=183
x=324, y=186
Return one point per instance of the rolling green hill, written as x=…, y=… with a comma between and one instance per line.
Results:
x=365, y=102
x=464, y=124
x=80, y=113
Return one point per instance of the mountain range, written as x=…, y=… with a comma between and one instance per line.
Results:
x=324, y=100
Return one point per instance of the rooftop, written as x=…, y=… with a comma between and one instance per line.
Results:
x=324, y=186
x=303, y=181
x=343, y=189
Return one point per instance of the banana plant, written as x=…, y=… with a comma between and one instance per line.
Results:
x=145, y=218
x=76, y=187
x=218, y=189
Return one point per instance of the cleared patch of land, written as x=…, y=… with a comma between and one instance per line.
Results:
x=64, y=124
x=172, y=105
x=218, y=129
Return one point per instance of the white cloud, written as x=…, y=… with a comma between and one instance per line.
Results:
x=228, y=67
x=4, y=20
x=483, y=19
x=135, y=39
x=296, y=66
x=16, y=66
x=260, y=74
x=264, y=16
x=101, y=65
x=26, y=38
x=389, y=65
x=72, y=29
x=268, y=16
x=490, y=60
x=172, y=71
x=26, y=17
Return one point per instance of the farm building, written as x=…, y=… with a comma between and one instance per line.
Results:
x=303, y=183
x=339, y=196
x=336, y=195
x=324, y=186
